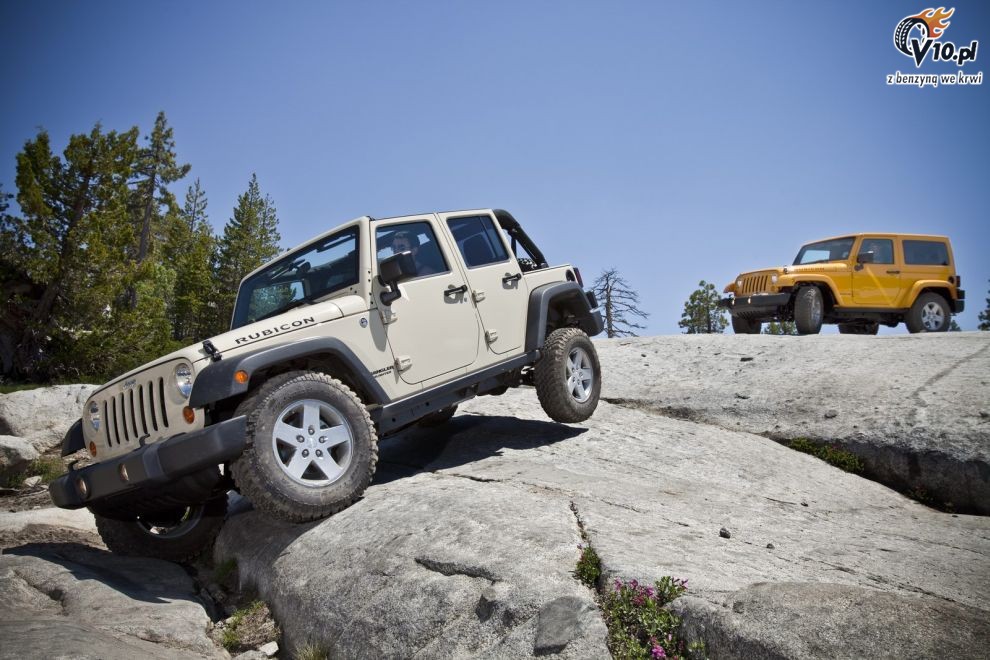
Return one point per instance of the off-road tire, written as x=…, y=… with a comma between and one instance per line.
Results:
x=195, y=532
x=902, y=31
x=861, y=328
x=742, y=326
x=553, y=373
x=927, y=303
x=809, y=310
x=438, y=418
x=264, y=479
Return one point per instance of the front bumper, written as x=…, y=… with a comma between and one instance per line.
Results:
x=151, y=466
x=755, y=304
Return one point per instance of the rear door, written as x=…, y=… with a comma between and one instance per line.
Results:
x=497, y=286
x=877, y=284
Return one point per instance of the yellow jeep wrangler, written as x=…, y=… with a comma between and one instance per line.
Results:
x=858, y=282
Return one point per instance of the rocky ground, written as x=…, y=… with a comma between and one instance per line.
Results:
x=467, y=541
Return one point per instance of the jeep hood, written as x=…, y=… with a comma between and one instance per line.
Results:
x=254, y=335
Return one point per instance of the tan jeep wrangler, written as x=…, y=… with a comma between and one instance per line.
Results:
x=350, y=337
x=858, y=282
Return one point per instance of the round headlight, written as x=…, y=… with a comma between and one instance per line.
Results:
x=773, y=278
x=184, y=379
x=94, y=415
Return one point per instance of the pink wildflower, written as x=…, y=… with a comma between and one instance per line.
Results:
x=658, y=652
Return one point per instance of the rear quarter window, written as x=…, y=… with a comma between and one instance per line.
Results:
x=926, y=253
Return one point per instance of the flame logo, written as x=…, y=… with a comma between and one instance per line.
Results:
x=937, y=20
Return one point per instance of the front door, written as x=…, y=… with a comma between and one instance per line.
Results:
x=496, y=282
x=432, y=328
x=877, y=284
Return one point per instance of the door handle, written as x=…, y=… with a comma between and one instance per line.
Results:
x=455, y=290
x=893, y=272
x=511, y=278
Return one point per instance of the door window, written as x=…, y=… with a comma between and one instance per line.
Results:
x=417, y=238
x=882, y=249
x=478, y=240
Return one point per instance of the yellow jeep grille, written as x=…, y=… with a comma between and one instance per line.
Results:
x=755, y=284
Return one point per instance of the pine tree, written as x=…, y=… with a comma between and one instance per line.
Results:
x=71, y=243
x=156, y=168
x=780, y=328
x=190, y=247
x=985, y=317
x=953, y=326
x=619, y=303
x=701, y=313
x=250, y=238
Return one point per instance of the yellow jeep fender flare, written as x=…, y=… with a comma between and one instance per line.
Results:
x=939, y=286
x=817, y=279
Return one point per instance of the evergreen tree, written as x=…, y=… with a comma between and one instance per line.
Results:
x=781, y=328
x=71, y=243
x=190, y=247
x=619, y=303
x=701, y=313
x=953, y=326
x=250, y=238
x=985, y=317
x=156, y=168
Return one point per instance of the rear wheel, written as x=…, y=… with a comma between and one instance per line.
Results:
x=176, y=535
x=568, y=376
x=312, y=448
x=929, y=313
x=742, y=326
x=809, y=310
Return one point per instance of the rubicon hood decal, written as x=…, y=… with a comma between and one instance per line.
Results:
x=274, y=330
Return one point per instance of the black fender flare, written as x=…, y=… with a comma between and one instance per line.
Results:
x=73, y=440
x=216, y=382
x=580, y=303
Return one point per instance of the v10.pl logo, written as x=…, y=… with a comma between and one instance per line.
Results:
x=919, y=37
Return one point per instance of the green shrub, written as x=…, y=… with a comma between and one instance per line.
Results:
x=832, y=455
x=640, y=627
x=589, y=566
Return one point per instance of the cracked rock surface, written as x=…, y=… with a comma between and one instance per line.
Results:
x=466, y=542
x=915, y=408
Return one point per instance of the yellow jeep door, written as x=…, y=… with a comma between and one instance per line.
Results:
x=876, y=283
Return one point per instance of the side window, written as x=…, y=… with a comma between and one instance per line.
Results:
x=882, y=249
x=415, y=237
x=478, y=240
x=926, y=253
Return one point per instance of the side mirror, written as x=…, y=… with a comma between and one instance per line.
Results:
x=864, y=258
x=393, y=270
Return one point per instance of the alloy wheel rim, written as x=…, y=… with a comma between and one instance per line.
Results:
x=816, y=310
x=159, y=528
x=580, y=374
x=312, y=442
x=932, y=317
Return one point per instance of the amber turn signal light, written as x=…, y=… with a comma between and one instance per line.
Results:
x=92, y=448
x=241, y=376
x=189, y=415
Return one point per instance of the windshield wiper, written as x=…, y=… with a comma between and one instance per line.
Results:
x=292, y=305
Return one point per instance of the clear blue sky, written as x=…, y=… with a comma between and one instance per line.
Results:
x=674, y=141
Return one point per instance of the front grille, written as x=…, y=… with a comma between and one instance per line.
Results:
x=755, y=284
x=138, y=412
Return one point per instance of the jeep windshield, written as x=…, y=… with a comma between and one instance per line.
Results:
x=836, y=249
x=313, y=271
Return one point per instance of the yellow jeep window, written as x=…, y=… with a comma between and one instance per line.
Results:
x=926, y=253
x=882, y=249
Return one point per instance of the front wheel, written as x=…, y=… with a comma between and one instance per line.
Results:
x=809, y=311
x=311, y=447
x=568, y=376
x=176, y=535
x=929, y=313
x=742, y=326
